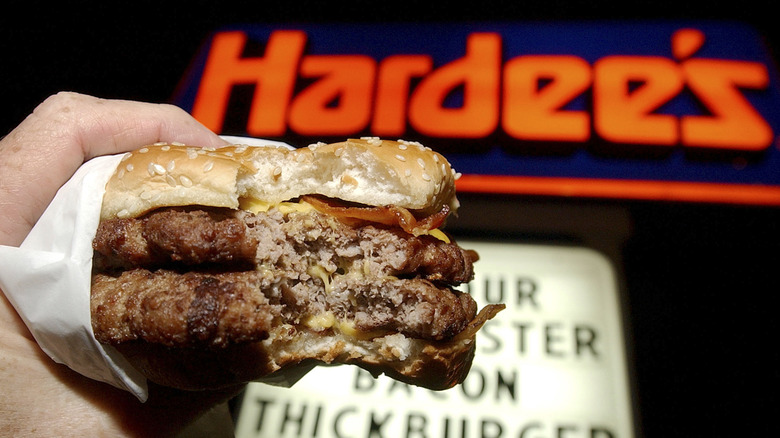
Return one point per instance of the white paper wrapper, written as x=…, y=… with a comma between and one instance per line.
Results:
x=47, y=279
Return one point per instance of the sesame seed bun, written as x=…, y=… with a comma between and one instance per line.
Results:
x=367, y=171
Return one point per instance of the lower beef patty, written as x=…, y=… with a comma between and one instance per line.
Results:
x=188, y=277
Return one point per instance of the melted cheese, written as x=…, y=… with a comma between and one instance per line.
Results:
x=320, y=321
x=320, y=272
x=326, y=320
x=347, y=328
x=439, y=234
x=258, y=206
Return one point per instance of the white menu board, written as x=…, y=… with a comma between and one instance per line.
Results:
x=552, y=365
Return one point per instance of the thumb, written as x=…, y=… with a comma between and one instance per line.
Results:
x=63, y=132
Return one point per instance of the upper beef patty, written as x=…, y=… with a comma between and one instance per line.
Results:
x=249, y=272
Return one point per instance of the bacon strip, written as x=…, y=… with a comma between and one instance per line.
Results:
x=390, y=215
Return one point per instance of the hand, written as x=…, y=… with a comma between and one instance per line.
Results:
x=38, y=396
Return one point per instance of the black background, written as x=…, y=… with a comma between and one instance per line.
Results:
x=699, y=279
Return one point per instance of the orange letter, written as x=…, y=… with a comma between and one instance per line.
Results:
x=339, y=103
x=535, y=113
x=395, y=75
x=274, y=76
x=734, y=122
x=479, y=73
x=623, y=115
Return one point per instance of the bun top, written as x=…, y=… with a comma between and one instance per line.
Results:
x=368, y=171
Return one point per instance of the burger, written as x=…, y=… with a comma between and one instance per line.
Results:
x=214, y=267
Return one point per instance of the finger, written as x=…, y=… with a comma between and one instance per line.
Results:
x=66, y=130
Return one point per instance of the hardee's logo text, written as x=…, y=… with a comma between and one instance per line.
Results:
x=526, y=97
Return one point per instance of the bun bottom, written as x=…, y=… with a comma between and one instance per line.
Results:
x=282, y=360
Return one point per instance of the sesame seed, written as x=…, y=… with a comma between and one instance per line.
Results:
x=121, y=173
x=458, y=175
x=123, y=213
x=160, y=143
x=186, y=182
x=130, y=167
x=426, y=177
x=373, y=141
x=277, y=172
x=145, y=195
x=176, y=143
x=143, y=150
x=158, y=169
x=421, y=163
x=166, y=148
x=208, y=166
x=171, y=165
x=192, y=154
x=402, y=147
x=408, y=172
x=348, y=179
x=169, y=179
x=435, y=158
x=126, y=156
x=400, y=158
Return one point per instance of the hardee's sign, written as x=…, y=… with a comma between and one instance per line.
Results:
x=669, y=111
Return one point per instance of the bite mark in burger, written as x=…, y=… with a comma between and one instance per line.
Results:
x=220, y=266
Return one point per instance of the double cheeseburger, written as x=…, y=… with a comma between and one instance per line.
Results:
x=214, y=267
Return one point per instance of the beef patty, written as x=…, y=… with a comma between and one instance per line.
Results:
x=190, y=277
